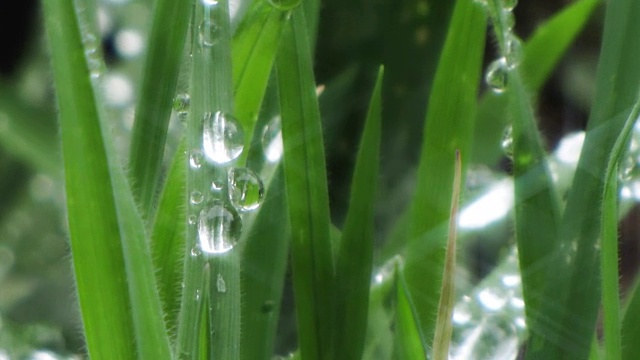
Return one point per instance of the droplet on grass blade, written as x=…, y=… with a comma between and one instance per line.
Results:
x=196, y=197
x=208, y=33
x=272, y=140
x=246, y=189
x=219, y=228
x=181, y=104
x=514, y=51
x=196, y=159
x=223, y=137
x=507, y=142
x=220, y=284
x=509, y=5
x=496, y=77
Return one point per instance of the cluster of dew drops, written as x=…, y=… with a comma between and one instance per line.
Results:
x=216, y=212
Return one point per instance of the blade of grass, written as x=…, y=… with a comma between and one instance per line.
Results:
x=100, y=266
x=442, y=338
x=630, y=324
x=609, y=242
x=542, y=52
x=162, y=66
x=409, y=341
x=355, y=254
x=571, y=326
x=449, y=125
x=308, y=200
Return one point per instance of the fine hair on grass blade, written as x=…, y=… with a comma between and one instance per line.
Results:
x=442, y=337
x=409, y=341
x=609, y=242
x=307, y=194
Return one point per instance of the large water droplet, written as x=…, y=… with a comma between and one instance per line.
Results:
x=208, y=33
x=507, y=141
x=220, y=284
x=246, y=190
x=196, y=159
x=496, y=77
x=272, y=140
x=514, y=51
x=181, y=104
x=219, y=228
x=508, y=5
x=223, y=137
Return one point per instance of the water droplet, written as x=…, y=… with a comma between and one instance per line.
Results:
x=181, y=104
x=509, y=5
x=208, y=33
x=272, y=140
x=195, y=252
x=196, y=197
x=496, y=77
x=491, y=300
x=507, y=142
x=198, y=295
x=209, y=2
x=129, y=43
x=220, y=284
x=217, y=185
x=267, y=307
x=246, y=190
x=509, y=20
x=192, y=219
x=223, y=137
x=626, y=169
x=219, y=228
x=195, y=159
x=514, y=51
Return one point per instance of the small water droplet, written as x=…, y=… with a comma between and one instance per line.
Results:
x=509, y=5
x=491, y=300
x=220, y=284
x=192, y=219
x=223, y=137
x=217, y=185
x=195, y=159
x=219, y=228
x=267, y=307
x=246, y=190
x=272, y=140
x=626, y=169
x=195, y=252
x=496, y=77
x=507, y=142
x=208, y=33
x=198, y=295
x=181, y=104
x=509, y=20
x=514, y=51
x=196, y=197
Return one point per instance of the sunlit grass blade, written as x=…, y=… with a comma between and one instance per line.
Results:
x=542, y=52
x=609, y=242
x=162, y=66
x=575, y=286
x=442, y=338
x=107, y=281
x=355, y=254
x=449, y=125
x=409, y=341
x=307, y=194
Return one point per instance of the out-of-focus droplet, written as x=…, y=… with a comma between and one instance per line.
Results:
x=497, y=75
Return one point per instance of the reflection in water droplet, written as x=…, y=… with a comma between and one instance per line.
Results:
x=223, y=137
x=181, y=104
x=217, y=185
x=514, y=51
x=208, y=33
x=496, y=77
x=491, y=300
x=507, y=142
x=219, y=228
x=246, y=190
x=220, y=284
x=196, y=197
x=195, y=159
x=272, y=140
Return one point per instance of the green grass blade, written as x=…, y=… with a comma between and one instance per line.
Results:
x=444, y=327
x=609, y=242
x=449, y=125
x=542, y=51
x=355, y=256
x=100, y=267
x=308, y=200
x=570, y=329
x=409, y=341
x=96, y=249
x=630, y=324
x=161, y=69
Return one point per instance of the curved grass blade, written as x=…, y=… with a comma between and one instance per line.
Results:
x=99, y=242
x=575, y=285
x=308, y=200
x=444, y=327
x=355, y=254
x=542, y=52
x=609, y=243
x=162, y=66
x=449, y=125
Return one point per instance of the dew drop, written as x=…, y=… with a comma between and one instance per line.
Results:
x=514, y=51
x=509, y=5
x=246, y=190
x=198, y=295
x=272, y=140
x=509, y=20
x=196, y=197
x=507, y=142
x=195, y=159
x=209, y=2
x=217, y=185
x=223, y=137
x=220, y=284
x=195, y=252
x=208, y=33
x=219, y=228
x=496, y=77
x=181, y=104
x=192, y=219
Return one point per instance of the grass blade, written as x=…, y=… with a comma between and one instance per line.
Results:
x=409, y=340
x=161, y=69
x=449, y=125
x=609, y=242
x=355, y=256
x=308, y=200
x=442, y=338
